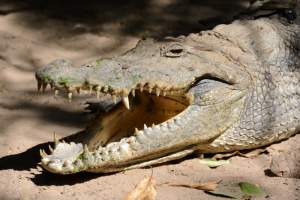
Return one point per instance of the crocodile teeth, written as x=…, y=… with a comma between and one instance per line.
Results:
x=136, y=130
x=98, y=92
x=114, y=98
x=105, y=89
x=133, y=93
x=50, y=148
x=70, y=94
x=157, y=92
x=125, y=101
x=86, y=149
x=43, y=153
x=56, y=92
x=141, y=88
x=55, y=140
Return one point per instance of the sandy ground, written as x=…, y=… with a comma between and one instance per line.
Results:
x=33, y=33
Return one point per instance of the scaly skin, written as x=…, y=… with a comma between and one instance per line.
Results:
x=234, y=87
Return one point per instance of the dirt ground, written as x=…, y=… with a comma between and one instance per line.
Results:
x=33, y=33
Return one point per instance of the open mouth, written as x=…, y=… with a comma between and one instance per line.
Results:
x=133, y=115
x=140, y=114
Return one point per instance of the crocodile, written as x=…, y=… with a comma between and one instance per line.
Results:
x=231, y=88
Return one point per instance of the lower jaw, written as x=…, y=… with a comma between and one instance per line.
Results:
x=152, y=145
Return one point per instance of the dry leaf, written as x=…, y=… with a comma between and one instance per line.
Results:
x=253, y=153
x=145, y=190
x=209, y=186
x=220, y=156
x=249, y=154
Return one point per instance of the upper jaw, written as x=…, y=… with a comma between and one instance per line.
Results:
x=60, y=75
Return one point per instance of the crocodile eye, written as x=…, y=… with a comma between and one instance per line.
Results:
x=176, y=51
x=173, y=50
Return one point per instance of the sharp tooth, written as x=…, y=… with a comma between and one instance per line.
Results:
x=114, y=99
x=98, y=92
x=136, y=131
x=70, y=94
x=100, y=149
x=105, y=89
x=150, y=89
x=157, y=92
x=133, y=92
x=164, y=93
x=153, y=125
x=50, y=148
x=145, y=126
x=86, y=149
x=55, y=140
x=56, y=93
x=43, y=153
x=125, y=101
x=141, y=88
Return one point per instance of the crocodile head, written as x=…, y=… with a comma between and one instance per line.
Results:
x=169, y=98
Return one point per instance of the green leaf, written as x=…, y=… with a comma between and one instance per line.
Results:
x=251, y=189
x=213, y=163
x=236, y=190
x=227, y=189
x=99, y=61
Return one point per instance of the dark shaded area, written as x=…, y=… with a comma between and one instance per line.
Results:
x=50, y=113
x=60, y=112
x=269, y=173
x=134, y=17
x=25, y=160
x=64, y=113
x=47, y=178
